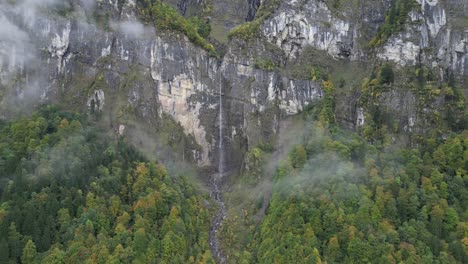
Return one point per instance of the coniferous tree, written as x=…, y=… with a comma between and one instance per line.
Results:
x=29, y=253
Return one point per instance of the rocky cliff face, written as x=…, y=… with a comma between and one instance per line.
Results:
x=126, y=70
x=435, y=35
x=432, y=38
x=432, y=35
x=151, y=72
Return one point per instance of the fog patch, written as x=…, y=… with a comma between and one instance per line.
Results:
x=16, y=49
x=21, y=74
x=24, y=40
x=130, y=28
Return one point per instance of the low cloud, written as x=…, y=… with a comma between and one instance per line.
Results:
x=20, y=77
x=15, y=48
x=132, y=29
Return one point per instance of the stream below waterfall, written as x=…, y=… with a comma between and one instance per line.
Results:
x=218, y=219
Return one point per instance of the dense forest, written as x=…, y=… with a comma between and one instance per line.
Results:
x=338, y=200
x=71, y=194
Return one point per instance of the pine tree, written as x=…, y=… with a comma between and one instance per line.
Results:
x=29, y=253
x=298, y=157
x=14, y=239
x=332, y=252
x=386, y=74
x=140, y=241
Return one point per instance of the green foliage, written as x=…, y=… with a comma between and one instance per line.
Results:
x=203, y=27
x=316, y=74
x=378, y=208
x=265, y=64
x=246, y=31
x=386, y=74
x=379, y=120
x=165, y=17
x=457, y=117
x=254, y=160
x=298, y=156
x=249, y=30
x=428, y=92
x=28, y=137
x=29, y=253
x=327, y=113
x=71, y=194
x=395, y=21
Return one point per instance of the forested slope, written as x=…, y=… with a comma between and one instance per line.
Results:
x=75, y=195
x=341, y=201
x=337, y=198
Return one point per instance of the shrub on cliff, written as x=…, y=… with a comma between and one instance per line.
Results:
x=395, y=20
x=165, y=17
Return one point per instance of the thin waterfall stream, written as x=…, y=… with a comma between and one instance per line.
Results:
x=216, y=182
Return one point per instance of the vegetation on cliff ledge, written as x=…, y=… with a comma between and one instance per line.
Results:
x=395, y=21
x=165, y=17
x=250, y=29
